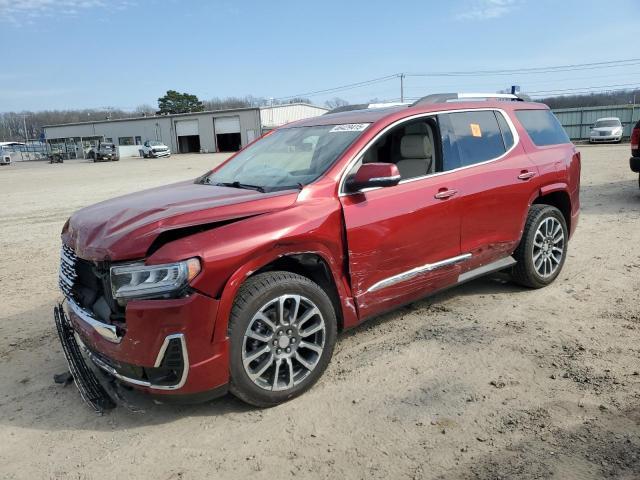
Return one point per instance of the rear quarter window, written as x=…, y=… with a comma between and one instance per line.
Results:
x=475, y=137
x=543, y=127
x=507, y=134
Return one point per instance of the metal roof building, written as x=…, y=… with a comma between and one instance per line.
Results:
x=212, y=131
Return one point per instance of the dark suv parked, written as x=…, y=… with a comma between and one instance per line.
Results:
x=104, y=152
x=241, y=279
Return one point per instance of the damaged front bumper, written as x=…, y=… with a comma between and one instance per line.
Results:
x=98, y=351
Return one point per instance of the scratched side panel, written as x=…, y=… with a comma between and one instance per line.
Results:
x=395, y=229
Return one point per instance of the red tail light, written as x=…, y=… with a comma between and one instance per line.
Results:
x=635, y=138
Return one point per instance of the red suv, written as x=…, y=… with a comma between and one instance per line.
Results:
x=634, y=161
x=241, y=280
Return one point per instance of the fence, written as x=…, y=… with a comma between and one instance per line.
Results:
x=578, y=121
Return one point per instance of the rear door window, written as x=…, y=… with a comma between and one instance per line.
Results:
x=470, y=138
x=543, y=127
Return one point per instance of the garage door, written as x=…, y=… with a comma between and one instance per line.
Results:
x=227, y=125
x=186, y=127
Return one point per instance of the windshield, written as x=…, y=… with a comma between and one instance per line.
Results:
x=607, y=123
x=287, y=158
x=154, y=144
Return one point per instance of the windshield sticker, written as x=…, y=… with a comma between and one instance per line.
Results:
x=349, y=127
x=475, y=130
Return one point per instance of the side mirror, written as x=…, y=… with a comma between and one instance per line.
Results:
x=371, y=175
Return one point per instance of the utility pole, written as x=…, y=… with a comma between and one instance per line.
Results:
x=24, y=124
x=402, y=75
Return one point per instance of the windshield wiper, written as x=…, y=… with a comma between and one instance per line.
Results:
x=237, y=184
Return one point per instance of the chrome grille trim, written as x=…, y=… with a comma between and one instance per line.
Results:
x=106, y=331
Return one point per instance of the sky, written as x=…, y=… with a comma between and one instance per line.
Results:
x=67, y=54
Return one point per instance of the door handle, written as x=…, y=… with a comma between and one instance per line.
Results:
x=444, y=194
x=526, y=175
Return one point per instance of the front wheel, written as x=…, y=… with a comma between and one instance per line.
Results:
x=543, y=247
x=282, y=330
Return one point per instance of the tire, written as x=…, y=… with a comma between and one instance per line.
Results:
x=267, y=293
x=542, y=271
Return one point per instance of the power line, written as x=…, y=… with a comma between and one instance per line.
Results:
x=499, y=72
x=532, y=70
x=342, y=87
x=492, y=84
x=568, y=90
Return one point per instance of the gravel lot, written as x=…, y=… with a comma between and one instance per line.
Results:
x=488, y=380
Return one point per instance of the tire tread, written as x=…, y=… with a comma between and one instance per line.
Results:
x=521, y=272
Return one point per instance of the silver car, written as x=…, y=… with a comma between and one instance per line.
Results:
x=606, y=130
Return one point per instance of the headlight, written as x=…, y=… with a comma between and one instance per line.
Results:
x=139, y=281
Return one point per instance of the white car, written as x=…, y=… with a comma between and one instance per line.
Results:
x=606, y=130
x=153, y=149
x=5, y=157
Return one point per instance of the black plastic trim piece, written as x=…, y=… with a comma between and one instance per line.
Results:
x=87, y=383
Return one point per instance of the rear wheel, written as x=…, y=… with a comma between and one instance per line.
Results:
x=282, y=330
x=543, y=247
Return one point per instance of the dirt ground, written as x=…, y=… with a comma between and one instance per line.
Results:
x=485, y=381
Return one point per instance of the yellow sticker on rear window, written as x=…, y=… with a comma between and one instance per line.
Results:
x=475, y=130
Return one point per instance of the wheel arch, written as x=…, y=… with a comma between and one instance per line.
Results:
x=556, y=196
x=313, y=264
x=315, y=268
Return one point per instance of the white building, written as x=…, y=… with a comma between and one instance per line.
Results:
x=278, y=115
x=214, y=131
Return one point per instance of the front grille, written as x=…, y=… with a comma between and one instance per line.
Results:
x=68, y=275
x=87, y=284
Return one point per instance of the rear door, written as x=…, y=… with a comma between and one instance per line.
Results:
x=403, y=241
x=499, y=181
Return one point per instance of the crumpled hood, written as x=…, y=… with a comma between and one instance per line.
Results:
x=124, y=228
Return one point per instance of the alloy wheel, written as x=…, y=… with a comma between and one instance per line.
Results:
x=283, y=342
x=548, y=247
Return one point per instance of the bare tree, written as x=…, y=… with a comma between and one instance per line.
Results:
x=336, y=102
x=145, y=110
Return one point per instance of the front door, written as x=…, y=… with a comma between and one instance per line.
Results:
x=404, y=241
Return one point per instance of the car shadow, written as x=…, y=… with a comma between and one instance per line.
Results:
x=497, y=283
x=37, y=402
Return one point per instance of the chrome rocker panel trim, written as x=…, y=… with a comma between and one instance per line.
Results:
x=429, y=267
x=496, y=266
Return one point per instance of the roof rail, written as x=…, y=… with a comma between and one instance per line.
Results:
x=448, y=97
